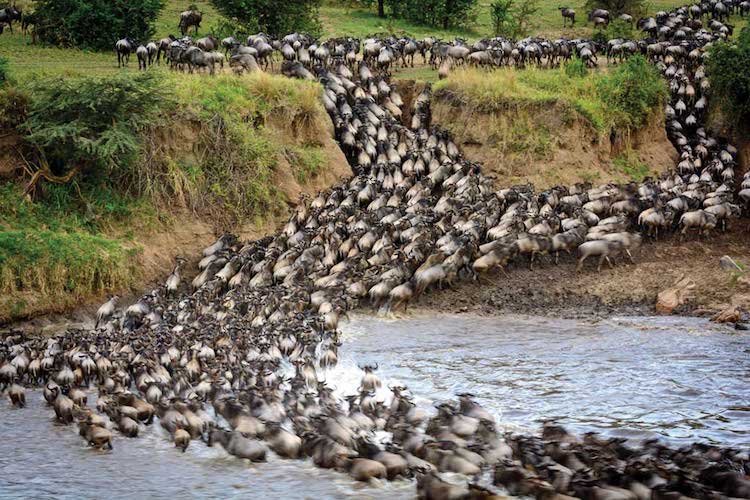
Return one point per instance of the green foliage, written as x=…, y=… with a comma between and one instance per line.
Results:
x=441, y=13
x=273, y=17
x=623, y=99
x=631, y=166
x=13, y=107
x=616, y=29
x=729, y=70
x=50, y=258
x=576, y=68
x=233, y=27
x=305, y=161
x=92, y=124
x=238, y=128
x=636, y=8
x=633, y=90
x=95, y=24
x=4, y=70
x=503, y=23
x=513, y=18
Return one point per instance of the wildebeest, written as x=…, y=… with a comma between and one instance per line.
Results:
x=189, y=18
x=700, y=219
x=246, y=62
x=598, y=248
x=163, y=47
x=153, y=50
x=142, y=54
x=8, y=15
x=124, y=47
x=567, y=13
x=207, y=43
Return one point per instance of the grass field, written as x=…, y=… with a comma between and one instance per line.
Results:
x=30, y=61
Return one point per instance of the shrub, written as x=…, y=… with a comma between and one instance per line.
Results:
x=503, y=23
x=4, y=70
x=576, y=68
x=234, y=27
x=730, y=78
x=13, y=107
x=616, y=29
x=272, y=17
x=636, y=8
x=441, y=13
x=513, y=18
x=633, y=90
x=95, y=24
x=91, y=125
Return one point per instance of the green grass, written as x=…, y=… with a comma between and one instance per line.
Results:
x=213, y=147
x=246, y=125
x=585, y=96
x=52, y=255
x=29, y=61
x=357, y=22
x=344, y=21
x=631, y=167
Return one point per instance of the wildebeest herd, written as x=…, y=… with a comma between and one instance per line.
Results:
x=237, y=356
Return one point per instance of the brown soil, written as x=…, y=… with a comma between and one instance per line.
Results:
x=187, y=232
x=738, y=135
x=10, y=159
x=549, y=145
x=559, y=291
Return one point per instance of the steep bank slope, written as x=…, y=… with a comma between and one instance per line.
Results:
x=222, y=154
x=549, y=128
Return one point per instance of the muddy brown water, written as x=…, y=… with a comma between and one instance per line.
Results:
x=677, y=379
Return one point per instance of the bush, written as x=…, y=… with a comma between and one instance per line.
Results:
x=512, y=18
x=273, y=17
x=440, y=13
x=13, y=107
x=95, y=24
x=616, y=29
x=633, y=90
x=730, y=78
x=4, y=70
x=636, y=8
x=91, y=124
x=576, y=68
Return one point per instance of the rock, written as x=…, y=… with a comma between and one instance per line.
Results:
x=727, y=263
x=731, y=314
x=678, y=294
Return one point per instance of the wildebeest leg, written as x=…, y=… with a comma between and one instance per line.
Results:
x=531, y=262
x=630, y=255
x=580, y=263
x=557, y=257
x=601, y=261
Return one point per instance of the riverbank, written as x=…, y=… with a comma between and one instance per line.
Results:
x=225, y=154
x=627, y=289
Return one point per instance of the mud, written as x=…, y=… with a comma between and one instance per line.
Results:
x=627, y=289
x=549, y=145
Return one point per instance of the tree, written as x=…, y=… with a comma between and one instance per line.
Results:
x=95, y=24
x=513, y=18
x=503, y=23
x=277, y=18
x=441, y=13
x=728, y=65
x=636, y=8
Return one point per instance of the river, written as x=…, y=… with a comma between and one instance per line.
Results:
x=677, y=379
